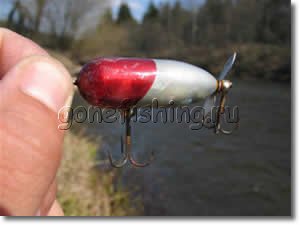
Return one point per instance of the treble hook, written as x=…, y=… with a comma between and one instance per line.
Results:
x=127, y=155
x=221, y=110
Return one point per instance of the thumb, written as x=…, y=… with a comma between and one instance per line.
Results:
x=31, y=94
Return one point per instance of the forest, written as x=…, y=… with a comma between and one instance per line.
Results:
x=203, y=34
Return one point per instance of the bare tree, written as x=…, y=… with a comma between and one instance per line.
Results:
x=40, y=5
x=72, y=17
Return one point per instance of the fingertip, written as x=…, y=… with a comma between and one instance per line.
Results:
x=14, y=48
x=44, y=79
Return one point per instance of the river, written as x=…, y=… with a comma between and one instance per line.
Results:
x=198, y=173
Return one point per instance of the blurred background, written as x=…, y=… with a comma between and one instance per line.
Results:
x=195, y=172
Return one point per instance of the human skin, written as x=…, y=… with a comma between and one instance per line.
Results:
x=33, y=87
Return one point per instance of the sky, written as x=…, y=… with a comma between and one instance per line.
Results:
x=138, y=7
x=4, y=8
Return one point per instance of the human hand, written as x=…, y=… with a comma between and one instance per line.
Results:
x=33, y=87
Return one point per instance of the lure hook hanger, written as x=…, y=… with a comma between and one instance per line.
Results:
x=126, y=147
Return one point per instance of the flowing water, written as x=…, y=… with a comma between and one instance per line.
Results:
x=200, y=173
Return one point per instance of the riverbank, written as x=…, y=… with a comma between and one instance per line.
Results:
x=85, y=191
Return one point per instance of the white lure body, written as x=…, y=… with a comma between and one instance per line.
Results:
x=179, y=82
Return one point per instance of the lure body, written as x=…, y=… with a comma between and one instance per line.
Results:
x=125, y=82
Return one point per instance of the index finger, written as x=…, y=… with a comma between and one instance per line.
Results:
x=14, y=48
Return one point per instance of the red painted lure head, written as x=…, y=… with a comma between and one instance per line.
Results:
x=116, y=82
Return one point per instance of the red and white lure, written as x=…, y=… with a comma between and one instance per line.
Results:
x=123, y=83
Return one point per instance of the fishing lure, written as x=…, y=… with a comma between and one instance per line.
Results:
x=124, y=83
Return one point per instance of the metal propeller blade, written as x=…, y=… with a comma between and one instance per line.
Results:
x=228, y=65
x=209, y=103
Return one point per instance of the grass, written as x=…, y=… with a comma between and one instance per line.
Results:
x=85, y=191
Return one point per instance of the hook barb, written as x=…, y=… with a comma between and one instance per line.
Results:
x=121, y=162
x=228, y=132
x=136, y=164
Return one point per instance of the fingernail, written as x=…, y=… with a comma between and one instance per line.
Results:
x=48, y=84
x=63, y=113
x=68, y=102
